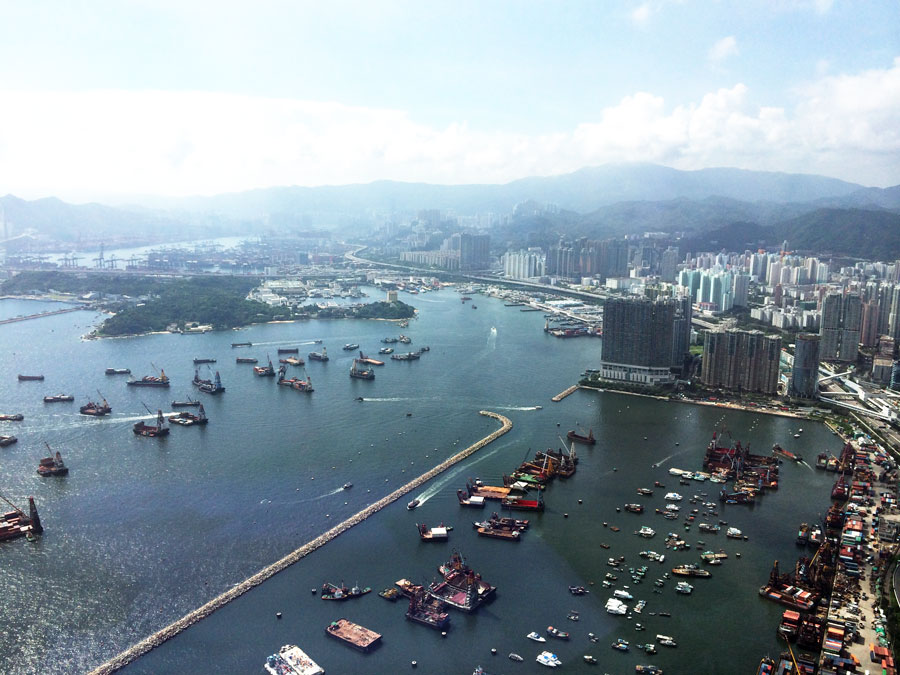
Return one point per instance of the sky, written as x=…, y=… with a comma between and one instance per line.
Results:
x=116, y=98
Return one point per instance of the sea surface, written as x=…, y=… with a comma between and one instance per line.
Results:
x=143, y=530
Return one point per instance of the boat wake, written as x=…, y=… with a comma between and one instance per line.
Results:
x=330, y=493
x=386, y=400
x=517, y=407
x=666, y=459
x=284, y=342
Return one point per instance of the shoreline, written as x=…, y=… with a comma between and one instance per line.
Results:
x=159, y=637
x=718, y=404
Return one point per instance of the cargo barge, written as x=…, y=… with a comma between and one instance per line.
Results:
x=15, y=523
x=296, y=660
x=150, y=381
x=358, y=637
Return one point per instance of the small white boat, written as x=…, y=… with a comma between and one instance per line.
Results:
x=548, y=659
x=515, y=657
x=684, y=587
x=673, y=497
x=623, y=595
x=733, y=533
x=646, y=531
x=616, y=606
x=346, y=486
x=537, y=637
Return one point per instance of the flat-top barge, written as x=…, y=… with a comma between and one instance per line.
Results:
x=353, y=634
x=297, y=661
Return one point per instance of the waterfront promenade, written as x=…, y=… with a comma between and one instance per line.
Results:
x=170, y=631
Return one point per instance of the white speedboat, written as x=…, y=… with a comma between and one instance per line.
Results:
x=537, y=637
x=548, y=659
x=616, y=606
x=673, y=497
x=515, y=657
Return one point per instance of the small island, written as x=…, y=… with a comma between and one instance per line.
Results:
x=148, y=304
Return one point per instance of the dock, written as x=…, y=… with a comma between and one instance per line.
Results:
x=124, y=658
x=561, y=395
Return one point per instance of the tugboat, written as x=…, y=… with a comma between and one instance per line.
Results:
x=96, y=409
x=52, y=466
x=319, y=356
x=332, y=592
x=143, y=429
x=150, y=381
x=361, y=373
x=59, y=398
x=579, y=438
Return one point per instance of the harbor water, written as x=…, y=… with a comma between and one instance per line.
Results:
x=142, y=530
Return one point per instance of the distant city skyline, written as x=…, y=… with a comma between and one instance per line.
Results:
x=196, y=98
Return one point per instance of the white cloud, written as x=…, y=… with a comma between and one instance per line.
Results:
x=642, y=13
x=723, y=49
x=105, y=142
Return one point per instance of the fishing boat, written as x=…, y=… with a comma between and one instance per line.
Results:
x=118, y=371
x=578, y=590
x=143, y=429
x=391, y=594
x=59, y=398
x=361, y=373
x=30, y=378
x=579, y=438
x=187, y=419
x=53, y=465
x=14, y=417
x=190, y=403
x=332, y=592
x=151, y=381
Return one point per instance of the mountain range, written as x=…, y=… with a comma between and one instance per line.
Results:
x=596, y=202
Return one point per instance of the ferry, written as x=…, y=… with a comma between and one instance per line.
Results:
x=297, y=661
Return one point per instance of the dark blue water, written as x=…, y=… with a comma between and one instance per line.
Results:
x=143, y=531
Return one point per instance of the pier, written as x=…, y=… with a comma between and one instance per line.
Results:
x=561, y=395
x=170, y=631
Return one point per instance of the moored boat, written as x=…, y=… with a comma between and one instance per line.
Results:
x=297, y=660
x=246, y=359
x=118, y=371
x=580, y=438
x=53, y=465
x=95, y=409
x=59, y=398
x=548, y=659
x=14, y=417
x=319, y=356
x=189, y=403
x=151, y=381
x=332, y=592
x=30, y=378
x=432, y=533
x=7, y=440
x=353, y=634
x=199, y=361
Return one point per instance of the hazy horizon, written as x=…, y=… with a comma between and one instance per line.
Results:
x=139, y=100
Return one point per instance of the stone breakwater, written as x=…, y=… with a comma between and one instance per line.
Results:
x=170, y=631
